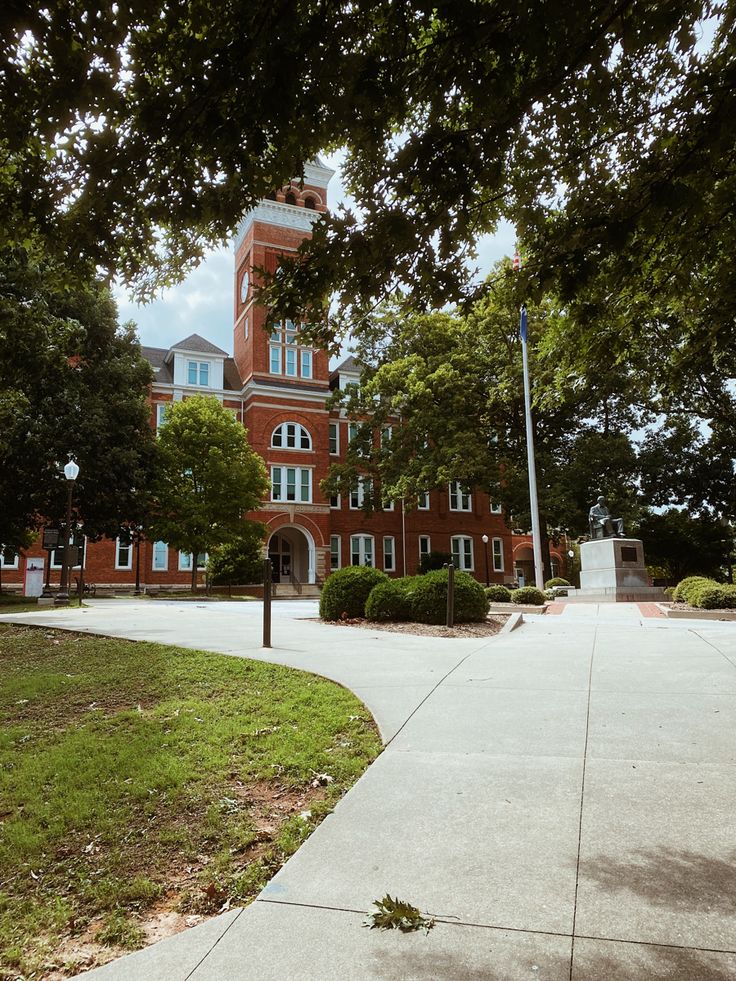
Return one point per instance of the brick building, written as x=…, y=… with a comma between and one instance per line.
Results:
x=279, y=390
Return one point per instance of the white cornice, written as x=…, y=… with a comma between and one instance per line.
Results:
x=317, y=173
x=276, y=213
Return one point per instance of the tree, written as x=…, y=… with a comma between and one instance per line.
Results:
x=683, y=545
x=72, y=383
x=137, y=134
x=208, y=477
x=238, y=562
x=455, y=383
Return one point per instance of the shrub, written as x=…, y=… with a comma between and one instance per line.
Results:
x=713, y=596
x=429, y=598
x=556, y=581
x=684, y=588
x=346, y=591
x=498, y=594
x=435, y=560
x=529, y=595
x=390, y=600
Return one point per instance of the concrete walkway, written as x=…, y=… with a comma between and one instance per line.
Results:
x=561, y=798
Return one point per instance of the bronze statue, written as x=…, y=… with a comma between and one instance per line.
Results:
x=602, y=525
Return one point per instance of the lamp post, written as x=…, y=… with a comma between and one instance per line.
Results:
x=485, y=548
x=71, y=472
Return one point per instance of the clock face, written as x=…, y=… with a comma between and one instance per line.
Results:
x=244, y=287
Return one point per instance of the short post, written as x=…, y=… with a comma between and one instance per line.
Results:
x=485, y=547
x=267, y=570
x=137, y=533
x=450, y=622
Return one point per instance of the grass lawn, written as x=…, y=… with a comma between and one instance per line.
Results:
x=143, y=787
x=14, y=603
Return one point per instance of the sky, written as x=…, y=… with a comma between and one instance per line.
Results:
x=203, y=303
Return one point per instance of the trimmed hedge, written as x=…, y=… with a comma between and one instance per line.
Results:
x=691, y=583
x=498, y=594
x=713, y=596
x=429, y=598
x=390, y=600
x=346, y=591
x=556, y=581
x=528, y=595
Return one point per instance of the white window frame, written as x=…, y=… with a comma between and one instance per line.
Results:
x=154, y=553
x=387, y=434
x=496, y=508
x=306, y=366
x=198, y=366
x=357, y=495
x=274, y=355
x=15, y=564
x=387, y=505
x=461, y=552
x=55, y=564
x=299, y=432
x=283, y=483
x=186, y=559
x=335, y=552
x=428, y=540
x=463, y=498
x=389, y=552
x=497, y=553
x=161, y=408
x=361, y=550
x=119, y=566
x=423, y=501
x=338, y=499
x=334, y=427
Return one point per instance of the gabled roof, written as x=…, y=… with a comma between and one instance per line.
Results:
x=162, y=368
x=196, y=343
x=348, y=366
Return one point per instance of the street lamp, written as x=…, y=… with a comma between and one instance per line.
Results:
x=71, y=472
x=485, y=547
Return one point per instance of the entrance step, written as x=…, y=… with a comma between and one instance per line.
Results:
x=287, y=591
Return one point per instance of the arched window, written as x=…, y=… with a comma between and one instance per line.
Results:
x=291, y=436
x=309, y=203
x=290, y=198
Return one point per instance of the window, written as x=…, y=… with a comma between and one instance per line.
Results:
x=8, y=558
x=335, y=502
x=161, y=408
x=387, y=505
x=423, y=501
x=290, y=198
x=462, y=552
x=498, y=555
x=425, y=546
x=354, y=433
x=309, y=203
x=198, y=373
x=459, y=497
x=496, y=508
x=334, y=438
x=361, y=550
x=185, y=561
x=283, y=352
x=357, y=495
x=387, y=434
x=389, y=560
x=160, y=561
x=334, y=552
x=291, y=484
x=291, y=436
x=56, y=557
x=123, y=553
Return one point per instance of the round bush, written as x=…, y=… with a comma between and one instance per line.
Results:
x=529, y=595
x=683, y=589
x=429, y=598
x=498, y=594
x=390, y=600
x=346, y=591
x=710, y=596
x=556, y=581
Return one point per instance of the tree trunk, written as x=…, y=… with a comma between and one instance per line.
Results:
x=194, y=571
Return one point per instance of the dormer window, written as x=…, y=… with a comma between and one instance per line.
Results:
x=198, y=373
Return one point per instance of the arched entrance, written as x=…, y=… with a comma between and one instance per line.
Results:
x=292, y=554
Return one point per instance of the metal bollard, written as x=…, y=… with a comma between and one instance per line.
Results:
x=267, y=602
x=450, y=622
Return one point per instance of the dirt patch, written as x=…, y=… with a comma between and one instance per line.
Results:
x=487, y=629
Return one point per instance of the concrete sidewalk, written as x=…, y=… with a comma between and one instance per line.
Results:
x=561, y=798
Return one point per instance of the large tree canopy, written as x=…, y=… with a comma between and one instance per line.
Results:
x=137, y=133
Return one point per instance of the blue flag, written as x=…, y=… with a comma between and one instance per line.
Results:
x=522, y=324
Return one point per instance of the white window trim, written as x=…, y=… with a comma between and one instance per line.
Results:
x=361, y=548
x=15, y=564
x=338, y=539
x=429, y=545
x=461, y=552
x=494, y=541
x=336, y=451
x=190, y=557
x=297, y=484
x=305, y=353
x=200, y=365
x=459, y=494
x=300, y=430
x=360, y=491
x=392, y=567
x=338, y=506
x=161, y=408
x=165, y=567
x=423, y=507
x=129, y=546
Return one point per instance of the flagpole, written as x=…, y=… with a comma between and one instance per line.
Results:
x=531, y=466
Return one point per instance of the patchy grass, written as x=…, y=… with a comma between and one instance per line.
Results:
x=14, y=603
x=141, y=783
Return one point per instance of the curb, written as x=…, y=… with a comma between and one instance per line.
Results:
x=514, y=621
x=723, y=615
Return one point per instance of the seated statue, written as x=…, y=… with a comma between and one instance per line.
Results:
x=602, y=525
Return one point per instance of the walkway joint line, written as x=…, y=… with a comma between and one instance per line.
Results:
x=205, y=956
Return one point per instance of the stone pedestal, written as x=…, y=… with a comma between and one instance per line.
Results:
x=613, y=570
